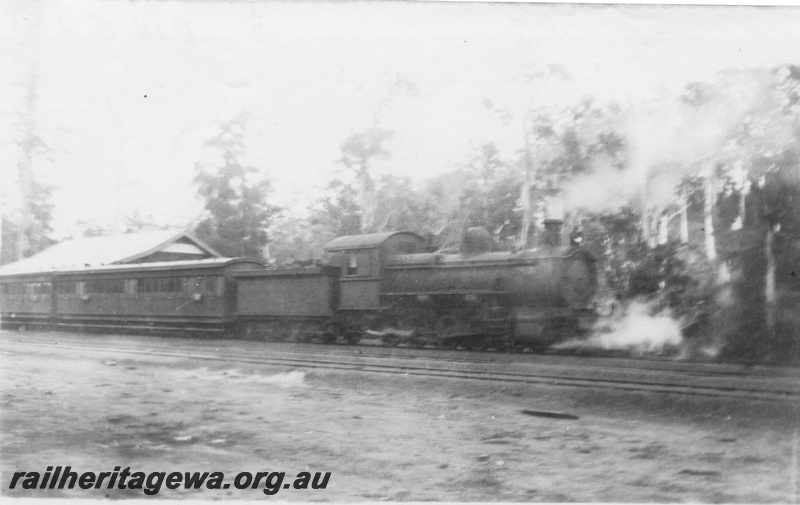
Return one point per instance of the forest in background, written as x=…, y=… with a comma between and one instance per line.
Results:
x=690, y=203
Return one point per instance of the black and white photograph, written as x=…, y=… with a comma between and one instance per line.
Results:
x=399, y=251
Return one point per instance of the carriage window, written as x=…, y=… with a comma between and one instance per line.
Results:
x=26, y=288
x=14, y=288
x=40, y=288
x=161, y=285
x=148, y=285
x=131, y=286
x=193, y=284
x=213, y=285
x=67, y=287
x=17, y=288
x=105, y=286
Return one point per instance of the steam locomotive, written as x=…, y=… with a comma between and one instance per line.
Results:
x=384, y=286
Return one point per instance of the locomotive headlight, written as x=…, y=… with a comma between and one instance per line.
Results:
x=576, y=238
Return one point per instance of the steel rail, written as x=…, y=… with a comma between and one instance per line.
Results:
x=579, y=353
x=629, y=384
x=670, y=365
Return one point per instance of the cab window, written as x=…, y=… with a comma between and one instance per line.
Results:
x=352, y=264
x=360, y=264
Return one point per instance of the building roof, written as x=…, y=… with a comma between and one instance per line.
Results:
x=90, y=252
x=367, y=241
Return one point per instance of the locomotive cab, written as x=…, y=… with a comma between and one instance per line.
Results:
x=362, y=261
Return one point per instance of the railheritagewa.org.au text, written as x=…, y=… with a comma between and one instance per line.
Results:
x=152, y=483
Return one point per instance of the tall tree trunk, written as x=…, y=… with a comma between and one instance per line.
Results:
x=742, y=207
x=30, y=144
x=770, y=294
x=684, y=216
x=366, y=198
x=649, y=227
x=26, y=192
x=525, y=193
x=708, y=213
x=663, y=228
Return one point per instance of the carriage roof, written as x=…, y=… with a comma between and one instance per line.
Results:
x=185, y=265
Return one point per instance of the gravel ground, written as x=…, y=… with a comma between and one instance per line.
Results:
x=397, y=438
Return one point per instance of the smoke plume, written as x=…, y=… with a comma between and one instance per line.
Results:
x=635, y=329
x=679, y=136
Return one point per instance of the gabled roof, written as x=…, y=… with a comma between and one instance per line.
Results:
x=368, y=241
x=109, y=250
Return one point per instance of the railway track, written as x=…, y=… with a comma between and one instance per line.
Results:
x=721, y=381
x=620, y=359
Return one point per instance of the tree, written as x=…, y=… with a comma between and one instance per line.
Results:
x=404, y=205
x=339, y=210
x=94, y=229
x=537, y=131
x=235, y=194
x=490, y=197
x=762, y=188
x=136, y=222
x=297, y=240
x=776, y=195
x=28, y=233
x=745, y=191
x=358, y=152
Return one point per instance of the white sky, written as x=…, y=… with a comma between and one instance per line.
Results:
x=310, y=74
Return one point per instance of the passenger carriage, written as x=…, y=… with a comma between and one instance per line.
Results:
x=187, y=295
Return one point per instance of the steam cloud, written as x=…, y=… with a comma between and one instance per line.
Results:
x=637, y=329
x=673, y=138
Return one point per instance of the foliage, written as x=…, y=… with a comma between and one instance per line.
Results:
x=339, y=210
x=358, y=153
x=775, y=204
x=36, y=236
x=27, y=231
x=137, y=222
x=298, y=241
x=237, y=210
x=490, y=198
x=402, y=206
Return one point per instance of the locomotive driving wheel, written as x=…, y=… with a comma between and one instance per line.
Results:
x=446, y=330
x=462, y=327
x=407, y=321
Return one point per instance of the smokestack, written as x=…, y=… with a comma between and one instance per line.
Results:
x=552, y=232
